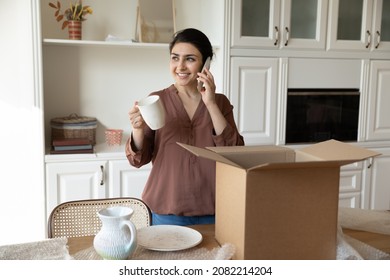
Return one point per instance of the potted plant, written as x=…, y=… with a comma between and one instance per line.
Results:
x=72, y=17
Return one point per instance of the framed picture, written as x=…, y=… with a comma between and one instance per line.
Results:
x=155, y=21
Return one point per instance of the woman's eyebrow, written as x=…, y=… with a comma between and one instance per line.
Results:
x=186, y=55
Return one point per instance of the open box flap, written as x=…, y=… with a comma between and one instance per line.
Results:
x=328, y=153
x=250, y=157
x=299, y=165
x=224, y=150
x=204, y=153
x=333, y=150
x=245, y=157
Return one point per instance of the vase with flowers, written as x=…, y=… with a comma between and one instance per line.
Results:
x=72, y=17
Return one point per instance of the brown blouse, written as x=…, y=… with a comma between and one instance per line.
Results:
x=181, y=183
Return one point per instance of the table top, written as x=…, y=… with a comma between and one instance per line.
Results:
x=77, y=244
x=353, y=244
x=378, y=241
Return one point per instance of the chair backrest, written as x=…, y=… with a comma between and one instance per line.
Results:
x=79, y=218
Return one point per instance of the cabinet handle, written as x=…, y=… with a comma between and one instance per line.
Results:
x=287, y=36
x=276, y=36
x=102, y=175
x=368, y=39
x=378, y=39
x=369, y=163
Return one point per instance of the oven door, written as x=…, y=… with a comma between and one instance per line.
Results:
x=315, y=115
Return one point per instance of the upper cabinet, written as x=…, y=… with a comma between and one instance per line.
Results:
x=279, y=24
x=359, y=25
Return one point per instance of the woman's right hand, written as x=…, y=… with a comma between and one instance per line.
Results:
x=136, y=120
x=138, y=123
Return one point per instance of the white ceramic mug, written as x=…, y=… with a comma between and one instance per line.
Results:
x=152, y=111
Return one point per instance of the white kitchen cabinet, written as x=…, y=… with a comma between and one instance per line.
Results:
x=359, y=25
x=93, y=178
x=279, y=24
x=365, y=184
x=349, y=200
x=351, y=186
x=254, y=85
x=126, y=180
x=67, y=181
x=379, y=180
x=378, y=122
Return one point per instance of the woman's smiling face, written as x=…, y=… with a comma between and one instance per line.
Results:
x=185, y=63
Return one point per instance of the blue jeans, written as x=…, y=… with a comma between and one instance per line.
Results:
x=158, y=219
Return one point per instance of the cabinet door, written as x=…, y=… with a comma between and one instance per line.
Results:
x=351, y=187
x=254, y=95
x=303, y=24
x=279, y=24
x=380, y=178
x=255, y=23
x=74, y=181
x=349, y=200
x=350, y=24
x=126, y=180
x=378, y=126
x=381, y=26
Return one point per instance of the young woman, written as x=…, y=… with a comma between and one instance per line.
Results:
x=181, y=187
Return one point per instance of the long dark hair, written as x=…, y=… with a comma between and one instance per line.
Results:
x=195, y=37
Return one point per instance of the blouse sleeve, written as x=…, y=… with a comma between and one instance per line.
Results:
x=230, y=135
x=138, y=158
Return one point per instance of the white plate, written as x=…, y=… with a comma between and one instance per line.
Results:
x=168, y=237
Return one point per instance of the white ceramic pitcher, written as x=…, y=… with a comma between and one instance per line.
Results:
x=117, y=239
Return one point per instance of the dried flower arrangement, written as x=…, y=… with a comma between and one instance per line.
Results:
x=75, y=12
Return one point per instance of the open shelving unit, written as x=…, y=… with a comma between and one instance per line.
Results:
x=103, y=74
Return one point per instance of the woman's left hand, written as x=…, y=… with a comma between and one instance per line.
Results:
x=208, y=90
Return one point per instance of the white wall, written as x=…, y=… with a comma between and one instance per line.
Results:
x=21, y=171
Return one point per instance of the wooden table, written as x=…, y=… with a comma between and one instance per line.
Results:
x=379, y=241
x=209, y=242
x=376, y=240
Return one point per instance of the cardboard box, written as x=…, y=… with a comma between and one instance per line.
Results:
x=274, y=202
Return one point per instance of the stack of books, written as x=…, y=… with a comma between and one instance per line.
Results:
x=72, y=146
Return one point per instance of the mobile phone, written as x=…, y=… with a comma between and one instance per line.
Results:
x=206, y=65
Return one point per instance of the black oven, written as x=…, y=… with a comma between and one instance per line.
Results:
x=315, y=115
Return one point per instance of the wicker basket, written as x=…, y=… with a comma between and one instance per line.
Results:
x=74, y=126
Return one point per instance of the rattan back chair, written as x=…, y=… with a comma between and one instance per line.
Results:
x=79, y=218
